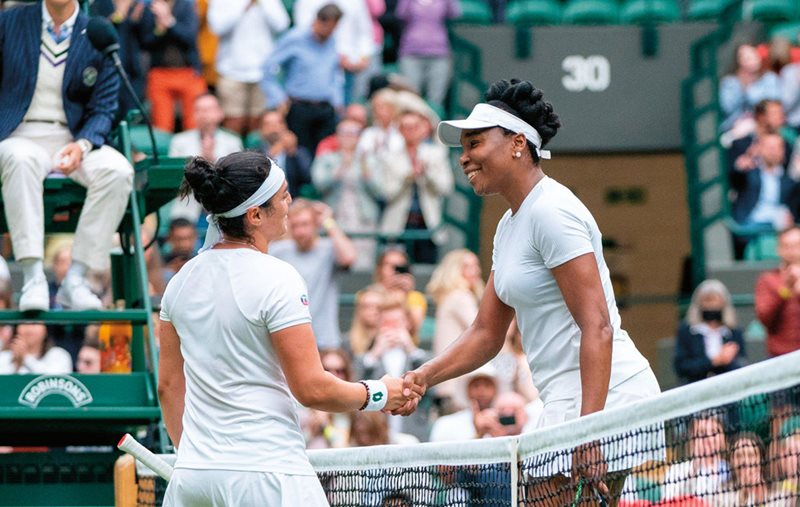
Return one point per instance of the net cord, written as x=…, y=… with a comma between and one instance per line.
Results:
x=479, y=452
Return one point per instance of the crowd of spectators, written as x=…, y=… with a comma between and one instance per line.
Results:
x=760, y=105
x=723, y=461
x=308, y=88
x=711, y=341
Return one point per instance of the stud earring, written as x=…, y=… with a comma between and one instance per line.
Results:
x=518, y=154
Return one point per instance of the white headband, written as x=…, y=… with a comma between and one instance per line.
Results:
x=270, y=187
x=485, y=116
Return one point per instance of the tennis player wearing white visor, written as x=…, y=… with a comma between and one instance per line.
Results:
x=237, y=349
x=548, y=269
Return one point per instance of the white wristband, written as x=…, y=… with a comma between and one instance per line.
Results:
x=378, y=395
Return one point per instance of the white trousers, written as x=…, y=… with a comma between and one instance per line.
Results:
x=27, y=157
x=227, y=488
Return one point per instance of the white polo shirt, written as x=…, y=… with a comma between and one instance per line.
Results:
x=239, y=413
x=552, y=227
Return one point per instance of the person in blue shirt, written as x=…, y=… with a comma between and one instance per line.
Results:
x=312, y=88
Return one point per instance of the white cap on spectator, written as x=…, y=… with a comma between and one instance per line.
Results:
x=411, y=102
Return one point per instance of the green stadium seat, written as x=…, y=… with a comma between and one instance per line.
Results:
x=658, y=11
x=141, y=140
x=475, y=12
x=789, y=31
x=533, y=12
x=252, y=140
x=775, y=10
x=591, y=12
x=701, y=10
x=648, y=489
x=762, y=247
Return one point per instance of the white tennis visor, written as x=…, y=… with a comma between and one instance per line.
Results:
x=484, y=116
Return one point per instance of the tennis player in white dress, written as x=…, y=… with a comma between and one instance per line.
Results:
x=547, y=268
x=237, y=350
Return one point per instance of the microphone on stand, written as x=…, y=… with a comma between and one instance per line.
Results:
x=104, y=38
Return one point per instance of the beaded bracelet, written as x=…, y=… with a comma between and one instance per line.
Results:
x=366, y=401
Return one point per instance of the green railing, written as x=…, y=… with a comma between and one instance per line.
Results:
x=706, y=165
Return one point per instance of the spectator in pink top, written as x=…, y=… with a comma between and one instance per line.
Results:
x=424, y=46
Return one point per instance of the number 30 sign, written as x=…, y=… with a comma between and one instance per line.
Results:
x=591, y=73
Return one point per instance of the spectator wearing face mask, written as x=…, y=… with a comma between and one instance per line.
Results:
x=708, y=341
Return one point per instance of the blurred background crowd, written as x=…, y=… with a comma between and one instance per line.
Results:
x=345, y=97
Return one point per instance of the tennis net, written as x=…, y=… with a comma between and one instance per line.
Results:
x=732, y=440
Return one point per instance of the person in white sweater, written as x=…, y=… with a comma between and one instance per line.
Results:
x=31, y=350
x=247, y=30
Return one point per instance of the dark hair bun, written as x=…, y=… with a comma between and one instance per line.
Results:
x=203, y=179
x=223, y=185
x=525, y=101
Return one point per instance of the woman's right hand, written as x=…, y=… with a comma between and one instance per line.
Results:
x=396, y=397
x=414, y=386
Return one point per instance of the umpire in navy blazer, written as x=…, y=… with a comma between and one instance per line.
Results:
x=89, y=103
x=58, y=98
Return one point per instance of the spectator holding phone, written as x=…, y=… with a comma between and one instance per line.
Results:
x=507, y=417
x=395, y=350
x=472, y=422
x=393, y=273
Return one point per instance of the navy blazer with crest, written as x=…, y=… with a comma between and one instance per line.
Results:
x=90, y=87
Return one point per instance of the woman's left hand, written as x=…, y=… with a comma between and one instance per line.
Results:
x=588, y=463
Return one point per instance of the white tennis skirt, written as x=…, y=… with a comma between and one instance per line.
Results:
x=227, y=488
x=621, y=453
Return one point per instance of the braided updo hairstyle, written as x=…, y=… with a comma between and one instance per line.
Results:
x=223, y=185
x=525, y=101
